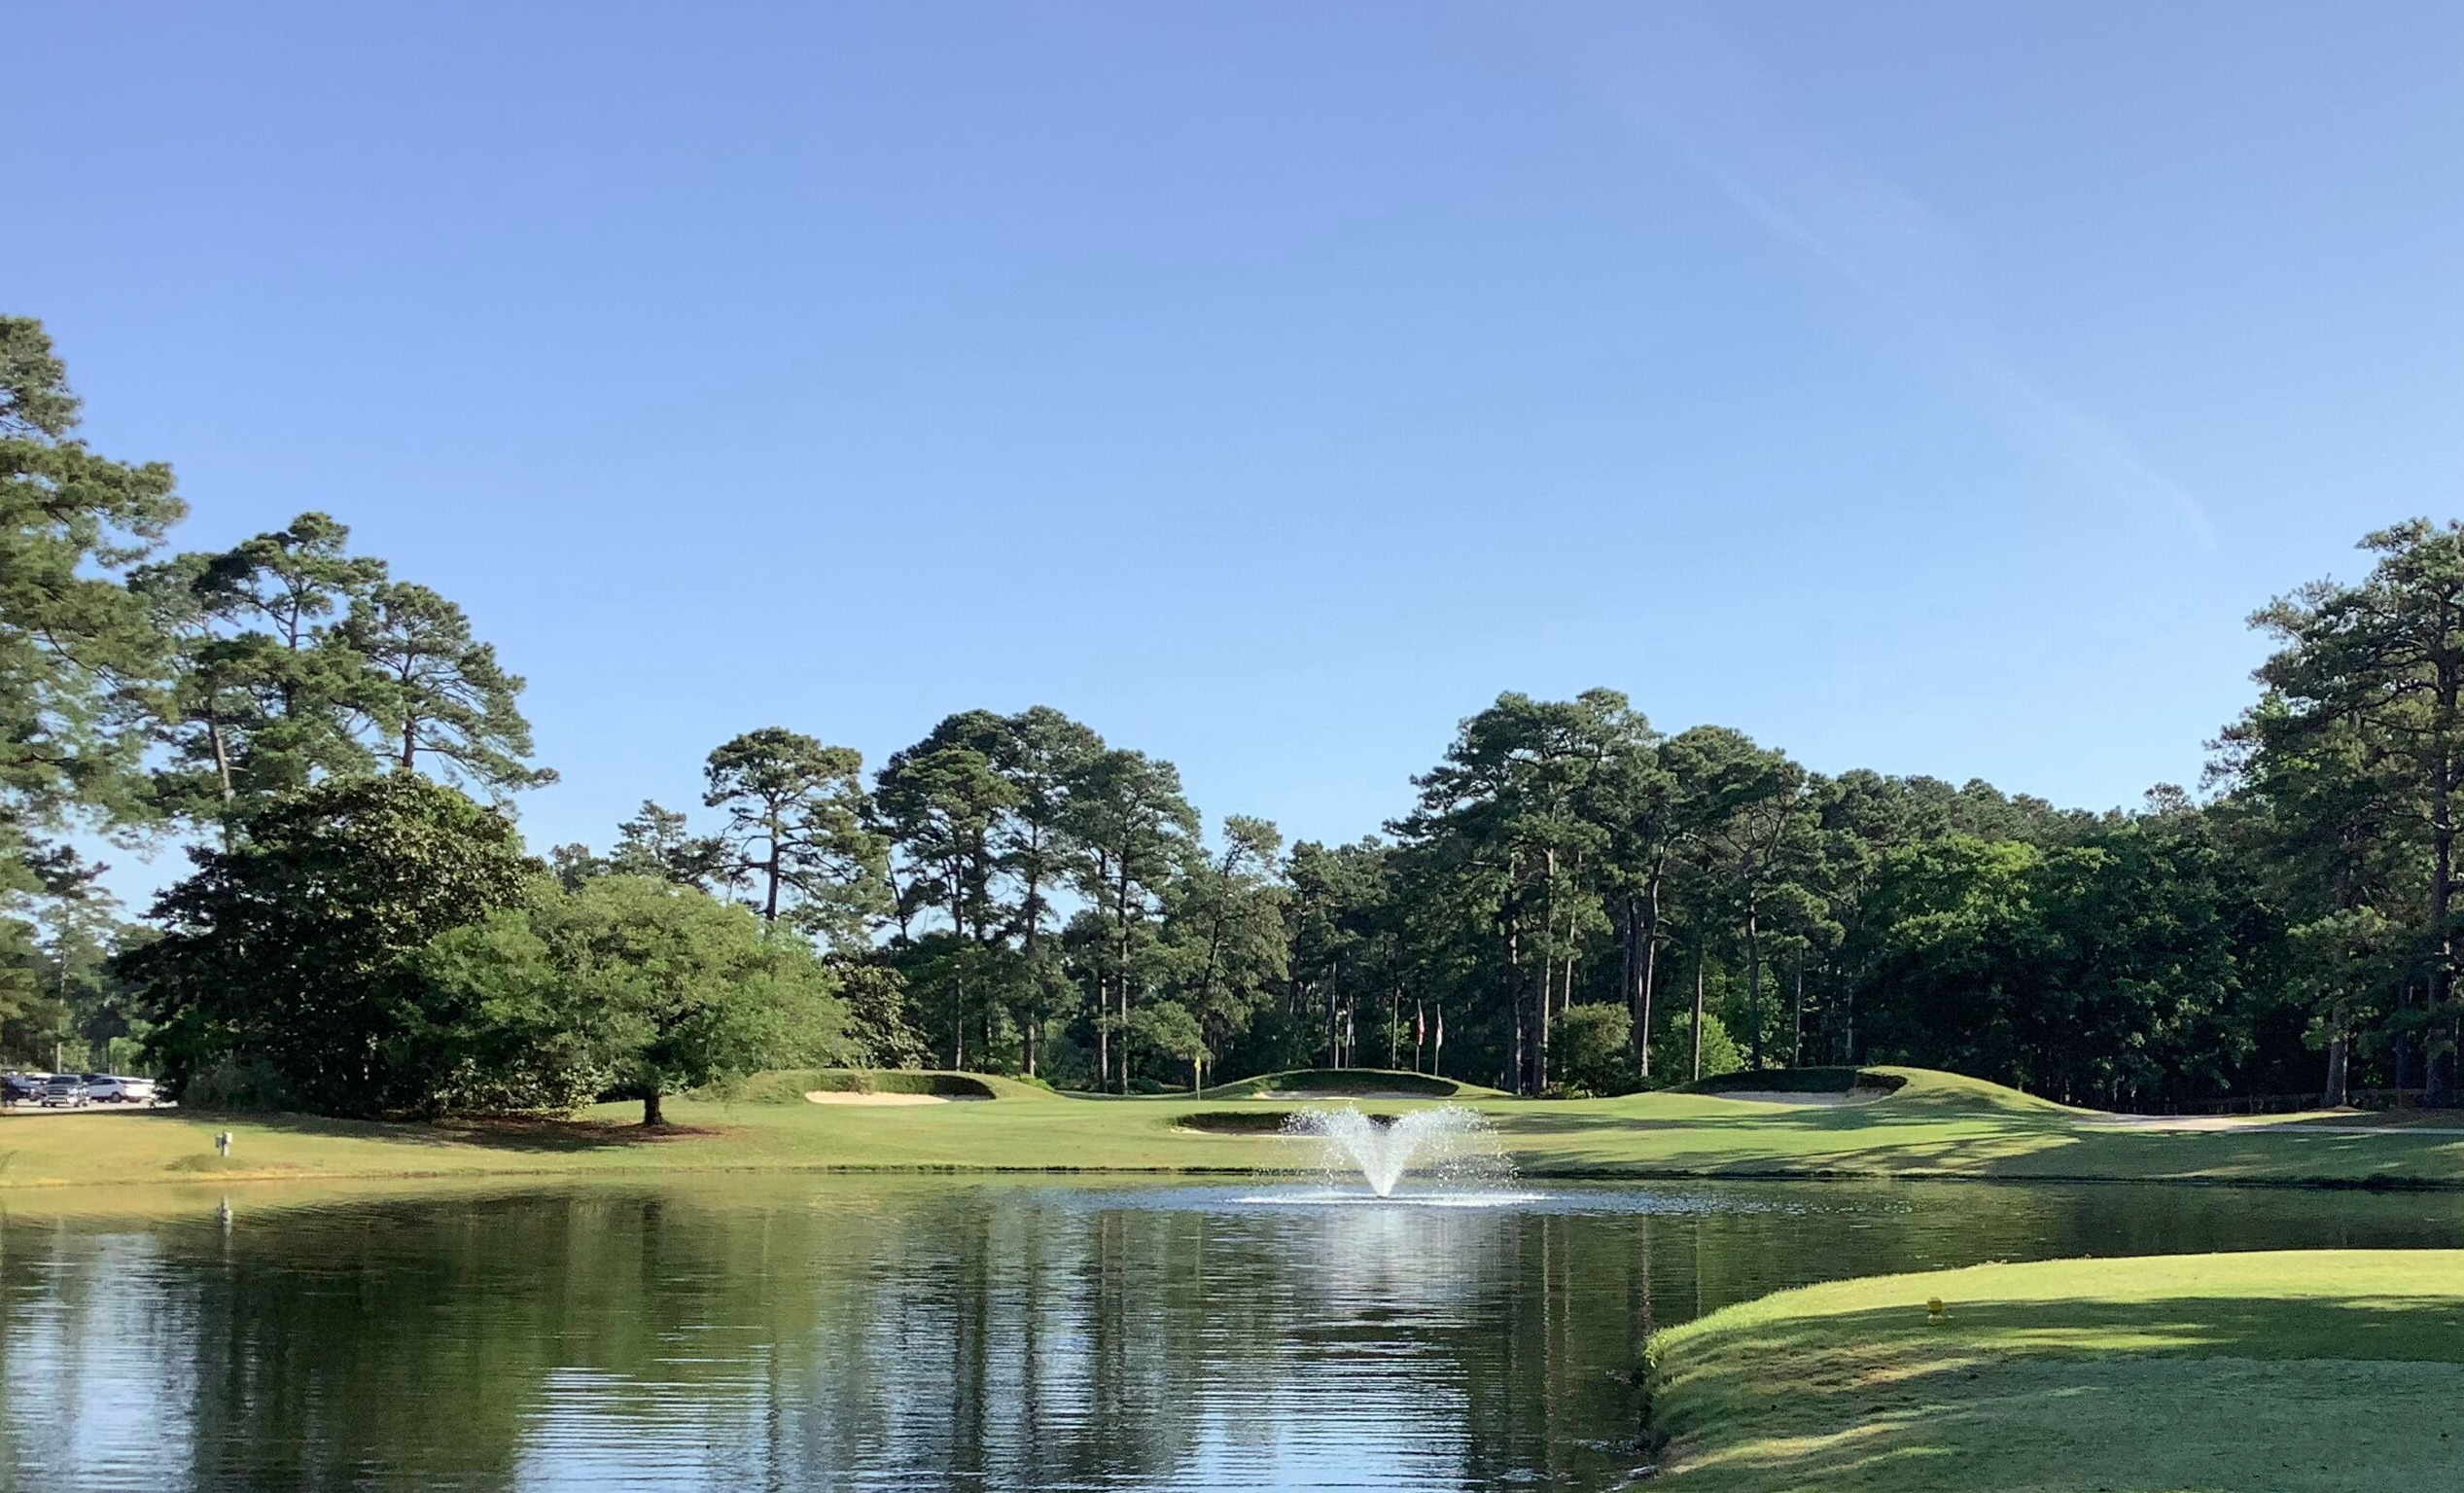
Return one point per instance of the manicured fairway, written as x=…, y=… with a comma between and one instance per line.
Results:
x=1938, y=1125
x=2301, y=1371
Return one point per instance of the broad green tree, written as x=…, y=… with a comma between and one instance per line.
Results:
x=288, y=962
x=636, y=986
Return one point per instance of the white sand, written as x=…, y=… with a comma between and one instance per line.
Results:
x=836, y=1096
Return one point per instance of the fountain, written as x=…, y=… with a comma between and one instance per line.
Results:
x=1449, y=1142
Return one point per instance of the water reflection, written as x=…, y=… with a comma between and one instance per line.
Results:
x=831, y=1334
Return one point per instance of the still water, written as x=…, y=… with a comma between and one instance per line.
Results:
x=828, y=1332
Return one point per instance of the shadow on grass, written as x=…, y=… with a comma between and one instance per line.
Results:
x=1917, y=1133
x=2177, y=1391
x=506, y=1134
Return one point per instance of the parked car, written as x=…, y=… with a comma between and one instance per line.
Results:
x=23, y=1087
x=119, y=1088
x=62, y=1091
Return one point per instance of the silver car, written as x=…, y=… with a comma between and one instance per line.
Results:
x=63, y=1091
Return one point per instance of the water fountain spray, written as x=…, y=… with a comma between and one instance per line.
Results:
x=1449, y=1144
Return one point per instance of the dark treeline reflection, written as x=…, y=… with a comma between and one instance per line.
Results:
x=834, y=1333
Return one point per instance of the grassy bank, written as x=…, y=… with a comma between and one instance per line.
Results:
x=1936, y=1125
x=2293, y=1371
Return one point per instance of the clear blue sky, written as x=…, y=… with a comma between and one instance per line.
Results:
x=1927, y=387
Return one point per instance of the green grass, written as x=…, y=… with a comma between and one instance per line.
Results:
x=1938, y=1125
x=2299, y=1371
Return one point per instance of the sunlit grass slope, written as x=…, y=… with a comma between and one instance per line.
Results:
x=2277, y=1372
x=1936, y=1125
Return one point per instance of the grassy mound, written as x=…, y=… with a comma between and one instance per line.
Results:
x=2296, y=1370
x=1941, y=1089
x=1359, y=1082
x=1249, y=1122
x=1799, y=1080
x=1234, y=1122
x=789, y=1086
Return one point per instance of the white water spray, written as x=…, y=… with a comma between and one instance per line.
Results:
x=1449, y=1142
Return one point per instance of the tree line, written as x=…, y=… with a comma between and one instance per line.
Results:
x=1574, y=901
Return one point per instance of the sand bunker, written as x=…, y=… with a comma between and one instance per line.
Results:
x=843, y=1096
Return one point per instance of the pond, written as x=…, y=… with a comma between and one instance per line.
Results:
x=824, y=1331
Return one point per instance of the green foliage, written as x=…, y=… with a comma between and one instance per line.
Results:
x=875, y=996
x=1673, y=1051
x=796, y=814
x=1595, y=1051
x=293, y=660
x=435, y=689
x=1166, y=1029
x=627, y=986
x=2362, y=729
x=2102, y=969
x=295, y=951
x=81, y=662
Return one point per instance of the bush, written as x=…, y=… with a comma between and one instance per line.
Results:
x=1594, y=1049
x=1672, y=1054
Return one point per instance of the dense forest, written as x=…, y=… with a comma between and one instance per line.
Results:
x=1576, y=902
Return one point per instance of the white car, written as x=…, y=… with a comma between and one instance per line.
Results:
x=117, y=1088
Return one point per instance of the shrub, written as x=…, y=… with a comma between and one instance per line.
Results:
x=1595, y=1049
x=1672, y=1054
